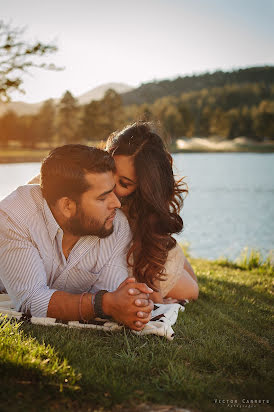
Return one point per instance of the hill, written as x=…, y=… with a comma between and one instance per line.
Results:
x=98, y=92
x=149, y=92
x=22, y=108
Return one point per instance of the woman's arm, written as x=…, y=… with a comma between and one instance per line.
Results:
x=188, y=268
x=181, y=280
x=185, y=288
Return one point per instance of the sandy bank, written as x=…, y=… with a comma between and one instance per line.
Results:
x=240, y=144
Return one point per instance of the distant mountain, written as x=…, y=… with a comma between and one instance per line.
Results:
x=99, y=92
x=21, y=108
x=149, y=92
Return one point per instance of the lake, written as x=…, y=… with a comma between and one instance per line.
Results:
x=230, y=203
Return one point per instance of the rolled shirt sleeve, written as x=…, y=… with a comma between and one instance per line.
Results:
x=22, y=270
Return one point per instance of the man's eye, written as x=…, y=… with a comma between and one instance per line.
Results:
x=121, y=183
x=102, y=199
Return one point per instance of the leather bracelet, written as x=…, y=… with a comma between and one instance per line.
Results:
x=98, y=310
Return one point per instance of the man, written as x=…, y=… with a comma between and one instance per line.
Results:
x=63, y=245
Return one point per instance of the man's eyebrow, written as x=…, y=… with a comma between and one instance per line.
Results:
x=106, y=193
x=127, y=178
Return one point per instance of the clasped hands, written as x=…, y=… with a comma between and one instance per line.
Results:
x=129, y=304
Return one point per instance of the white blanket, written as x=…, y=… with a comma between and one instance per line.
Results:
x=164, y=316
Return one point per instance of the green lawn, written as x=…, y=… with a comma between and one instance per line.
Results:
x=221, y=351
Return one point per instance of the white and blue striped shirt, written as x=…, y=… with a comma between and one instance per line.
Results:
x=32, y=263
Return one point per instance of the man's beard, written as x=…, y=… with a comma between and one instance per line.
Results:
x=82, y=225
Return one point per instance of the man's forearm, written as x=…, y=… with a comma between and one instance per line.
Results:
x=123, y=306
x=69, y=306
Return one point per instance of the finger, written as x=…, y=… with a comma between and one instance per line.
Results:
x=148, y=308
x=141, y=302
x=140, y=287
x=143, y=296
x=145, y=320
x=133, y=291
x=143, y=288
x=126, y=281
x=139, y=324
x=142, y=315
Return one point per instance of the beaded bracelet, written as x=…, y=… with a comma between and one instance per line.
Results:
x=92, y=301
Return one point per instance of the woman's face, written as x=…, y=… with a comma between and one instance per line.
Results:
x=125, y=177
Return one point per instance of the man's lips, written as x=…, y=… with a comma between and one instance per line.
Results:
x=111, y=217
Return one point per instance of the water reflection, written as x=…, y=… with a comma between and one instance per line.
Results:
x=229, y=205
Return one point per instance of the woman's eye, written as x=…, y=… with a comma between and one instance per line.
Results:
x=121, y=183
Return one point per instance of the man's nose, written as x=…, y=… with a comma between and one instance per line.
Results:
x=115, y=202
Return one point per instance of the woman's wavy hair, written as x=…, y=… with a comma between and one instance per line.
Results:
x=153, y=209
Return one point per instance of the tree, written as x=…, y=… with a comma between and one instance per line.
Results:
x=92, y=124
x=46, y=122
x=111, y=106
x=68, y=119
x=17, y=56
x=9, y=129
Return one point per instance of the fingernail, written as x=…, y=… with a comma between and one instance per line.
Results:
x=150, y=290
x=138, y=302
x=131, y=291
x=140, y=314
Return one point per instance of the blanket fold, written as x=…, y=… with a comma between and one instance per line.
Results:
x=164, y=316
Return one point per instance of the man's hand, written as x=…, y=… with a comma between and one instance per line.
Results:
x=125, y=308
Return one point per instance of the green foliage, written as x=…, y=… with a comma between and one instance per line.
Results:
x=17, y=56
x=150, y=92
x=250, y=259
x=233, y=104
x=100, y=118
x=67, y=119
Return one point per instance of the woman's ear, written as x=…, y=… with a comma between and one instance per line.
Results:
x=66, y=207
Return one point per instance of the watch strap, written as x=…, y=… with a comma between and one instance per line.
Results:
x=98, y=310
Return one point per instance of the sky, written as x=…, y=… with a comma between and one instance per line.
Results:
x=137, y=41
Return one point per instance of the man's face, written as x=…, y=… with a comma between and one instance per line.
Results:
x=96, y=209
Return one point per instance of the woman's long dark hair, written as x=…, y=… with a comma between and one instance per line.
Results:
x=153, y=209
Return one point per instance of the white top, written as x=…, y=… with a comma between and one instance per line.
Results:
x=32, y=263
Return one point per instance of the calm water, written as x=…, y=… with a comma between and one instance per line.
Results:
x=230, y=203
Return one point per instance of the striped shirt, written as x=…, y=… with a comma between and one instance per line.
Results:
x=32, y=263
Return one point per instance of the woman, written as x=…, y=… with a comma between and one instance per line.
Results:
x=152, y=200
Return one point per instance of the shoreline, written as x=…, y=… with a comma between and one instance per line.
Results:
x=184, y=145
x=216, y=145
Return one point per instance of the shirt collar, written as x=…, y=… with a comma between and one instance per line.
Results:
x=51, y=223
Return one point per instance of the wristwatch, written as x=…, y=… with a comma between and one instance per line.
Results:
x=98, y=310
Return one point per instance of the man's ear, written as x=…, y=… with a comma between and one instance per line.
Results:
x=67, y=207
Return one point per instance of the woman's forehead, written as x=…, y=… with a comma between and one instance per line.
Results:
x=125, y=166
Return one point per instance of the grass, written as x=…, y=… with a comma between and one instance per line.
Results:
x=9, y=155
x=222, y=350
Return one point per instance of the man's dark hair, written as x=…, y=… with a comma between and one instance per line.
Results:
x=63, y=170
